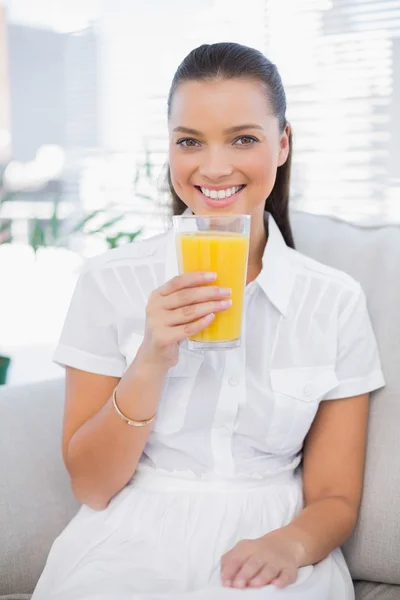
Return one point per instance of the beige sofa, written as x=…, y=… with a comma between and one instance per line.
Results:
x=35, y=499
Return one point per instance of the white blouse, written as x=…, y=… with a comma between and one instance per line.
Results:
x=244, y=413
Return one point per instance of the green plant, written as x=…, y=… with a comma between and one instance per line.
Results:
x=54, y=233
x=5, y=225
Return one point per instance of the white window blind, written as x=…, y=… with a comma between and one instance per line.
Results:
x=340, y=63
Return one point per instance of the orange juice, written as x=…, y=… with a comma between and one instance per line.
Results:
x=225, y=254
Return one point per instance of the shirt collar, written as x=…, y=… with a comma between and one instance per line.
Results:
x=277, y=275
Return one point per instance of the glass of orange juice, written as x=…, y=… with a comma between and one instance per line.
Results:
x=219, y=244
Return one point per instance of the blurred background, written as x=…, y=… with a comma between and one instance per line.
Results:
x=83, y=131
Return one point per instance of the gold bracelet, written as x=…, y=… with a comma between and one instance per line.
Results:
x=130, y=421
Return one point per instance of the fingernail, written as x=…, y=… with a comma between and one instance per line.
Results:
x=209, y=317
x=228, y=583
x=210, y=276
x=225, y=291
x=240, y=583
x=226, y=303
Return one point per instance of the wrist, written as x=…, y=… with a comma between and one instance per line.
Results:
x=139, y=390
x=294, y=539
x=150, y=362
x=146, y=364
x=299, y=543
x=149, y=367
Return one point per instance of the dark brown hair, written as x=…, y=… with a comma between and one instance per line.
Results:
x=228, y=60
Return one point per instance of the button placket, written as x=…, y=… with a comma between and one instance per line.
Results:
x=226, y=413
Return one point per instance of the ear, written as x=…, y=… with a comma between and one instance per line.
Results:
x=284, y=146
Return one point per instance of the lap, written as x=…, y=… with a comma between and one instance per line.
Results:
x=324, y=581
x=151, y=545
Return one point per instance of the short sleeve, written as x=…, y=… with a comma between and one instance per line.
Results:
x=358, y=366
x=89, y=340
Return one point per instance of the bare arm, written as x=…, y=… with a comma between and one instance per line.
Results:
x=100, y=451
x=333, y=469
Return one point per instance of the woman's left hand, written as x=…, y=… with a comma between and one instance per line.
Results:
x=274, y=558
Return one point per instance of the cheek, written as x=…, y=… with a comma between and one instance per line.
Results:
x=259, y=168
x=181, y=166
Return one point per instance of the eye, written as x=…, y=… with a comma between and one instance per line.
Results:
x=246, y=140
x=187, y=143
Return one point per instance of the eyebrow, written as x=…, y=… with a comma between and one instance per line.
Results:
x=234, y=129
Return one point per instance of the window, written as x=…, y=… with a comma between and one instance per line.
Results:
x=340, y=63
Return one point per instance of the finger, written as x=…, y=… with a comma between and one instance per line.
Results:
x=230, y=566
x=285, y=578
x=195, y=295
x=186, y=280
x=180, y=333
x=267, y=574
x=188, y=314
x=233, y=560
x=250, y=569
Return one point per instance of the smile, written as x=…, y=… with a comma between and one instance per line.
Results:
x=220, y=194
x=219, y=198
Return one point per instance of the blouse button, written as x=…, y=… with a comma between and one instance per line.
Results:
x=233, y=381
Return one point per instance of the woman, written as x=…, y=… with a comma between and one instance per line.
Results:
x=188, y=463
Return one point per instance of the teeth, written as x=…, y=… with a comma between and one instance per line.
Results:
x=221, y=194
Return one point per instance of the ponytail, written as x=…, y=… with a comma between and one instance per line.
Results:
x=277, y=202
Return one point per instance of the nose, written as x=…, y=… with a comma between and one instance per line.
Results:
x=215, y=165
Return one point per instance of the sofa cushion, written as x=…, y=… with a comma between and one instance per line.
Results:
x=371, y=256
x=376, y=591
x=16, y=597
x=35, y=498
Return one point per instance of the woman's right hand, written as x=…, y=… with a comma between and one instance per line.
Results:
x=180, y=308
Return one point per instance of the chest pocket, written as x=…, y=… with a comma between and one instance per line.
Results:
x=178, y=386
x=297, y=393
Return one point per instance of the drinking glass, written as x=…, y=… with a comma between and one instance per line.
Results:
x=219, y=244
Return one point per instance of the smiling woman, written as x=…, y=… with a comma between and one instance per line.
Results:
x=188, y=461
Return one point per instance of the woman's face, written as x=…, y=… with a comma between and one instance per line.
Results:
x=225, y=146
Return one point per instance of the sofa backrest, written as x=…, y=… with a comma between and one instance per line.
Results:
x=36, y=502
x=372, y=257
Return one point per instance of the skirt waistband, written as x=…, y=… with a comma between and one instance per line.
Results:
x=161, y=480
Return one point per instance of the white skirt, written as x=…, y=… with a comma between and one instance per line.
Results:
x=162, y=538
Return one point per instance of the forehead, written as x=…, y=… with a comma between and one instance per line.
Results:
x=223, y=102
